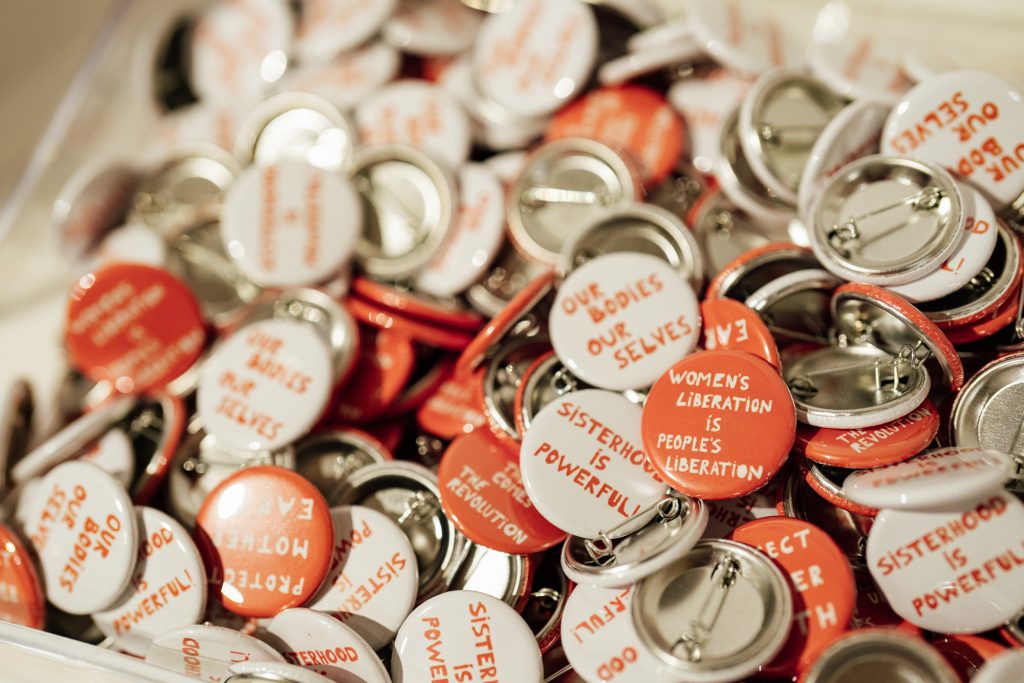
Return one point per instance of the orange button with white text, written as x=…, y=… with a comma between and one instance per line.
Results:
x=730, y=324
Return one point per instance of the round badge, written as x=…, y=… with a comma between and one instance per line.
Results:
x=967, y=121
x=718, y=424
x=83, y=529
x=349, y=79
x=885, y=444
x=465, y=633
x=631, y=118
x=443, y=312
x=134, y=244
x=824, y=593
x=135, y=326
x=730, y=324
x=265, y=385
x=168, y=586
x=267, y=536
x=1003, y=668
x=332, y=27
x=433, y=27
x=600, y=641
x=386, y=362
x=21, y=592
x=584, y=466
x=419, y=114
x=428, y=334
x=935, y=479
x=207, y=652
x=952, y=571
x=482, y=492
x=872, y=610
x=475, y=238
x=113, y=454
x=620, y=320
x=372, y=584
x=747, y=38
x=966, y=654
x=290, y=223
x=705, y=101
x=537, y=55
x=321, y=643
x=455, y=408
x=258, y=672
x=726, y=515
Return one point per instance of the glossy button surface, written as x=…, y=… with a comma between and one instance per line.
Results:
x=729, y=324
x=21, y=601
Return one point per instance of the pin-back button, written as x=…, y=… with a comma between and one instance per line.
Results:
x=738, y=182
x=168, y=586
x=621, y=320
x=434, y=27
x=509, y=274
x=271, y=672
x=348, y=79
x=455, y=407
x=822, y=582
x=545, y=381
x=322, y=644
x=743, y=38
x=718, y=614
x=726, y=515
x=757, y=267
x=565, y=182
x=796, y=306
x=1002, y=668
x=718, y=424
x=22, y=600
x=288, y=518
x=425, y=333
x=476, y=634
x=723, y=232
x=17, y=423
x=933, y=480
x=827, y=482
x=672, y=57
x=207, y=652
x=113, y=454
x=884, y=444
x=82, y=527
x=135, y=326
x=443, y=311
x=483, y=493
x=329, y=28
x=92, y=201
x=536, y=56
x=867, y=654
x=500, y=575
x=731, y=325
x=409, y=206
x=386, y=361
x=502, y=379
x=955, y=570
x=984, y=412
x=131, y=244
x=705, y=101
x=328, y=458
x=848, y=529
x=966, y=654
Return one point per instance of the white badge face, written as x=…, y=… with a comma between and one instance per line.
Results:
x=82, y=526
x=972, y=123
x=932, y=480
x=433, y=27
x=744, y=36
x=621, y=320
x=535, y=57
x=277, y=671
x=704, y=103
x=1003, y=668
x=419, y=114
x=469, y=634
x=725, y=515
x=133, y=244
x=633, y=65
x=266, y=385
x=323, y=644
x=330, y=27
x=373, y=580
x=475, y=238
x=956, y=571
x=349, y=79
x=600, y=641
x=168, y=586
x=845, y=54
x=977, y=245
x=113, y=454
x=214, y=123
x=584, y=467
x=240, y=48
x=207, y=652
x=290, y=223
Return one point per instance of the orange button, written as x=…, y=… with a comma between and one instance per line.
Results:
x=483, y=494
x=135, y=326
x=417, y=306
x=428, y=334
x=267, y=537
x=824, y=593
x=718, y=424
x=885, y=444
x=456, y=407
x=386, y=361
x=21, y=593
x=729, y=324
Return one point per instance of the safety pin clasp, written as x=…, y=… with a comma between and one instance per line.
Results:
x=602, y=548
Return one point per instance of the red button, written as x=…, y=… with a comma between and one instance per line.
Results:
x=430, y=373
x=483, y=494
x=966, y=654
x=135, y=326
x=21, y=597
x=413, y=306
x=885, y=444
x=267, y=536
x=386, y=361
x=425, y=333
x=729, y=324
x=872, y=609
x=824, y=593
x=718, y=424
x=455, y=408
x=729, y=271
x=838, y=501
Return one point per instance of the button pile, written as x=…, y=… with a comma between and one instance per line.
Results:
x=538, y=340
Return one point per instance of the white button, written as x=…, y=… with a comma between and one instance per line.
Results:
x=475, y=238
x=265, y=385
x=743, y=36
x=1005, y=667
x=290, y=223
x=633, y=65
x=168, y=586
x=134, y=244
x=323, y=644
x=373, y=580
x=206, y=652
x=113, y=454
x=83, y=528
x=465, y=635
x=954, y=571
x=584, y=467
x=274, y=671
x=330, y=27
x=621, y=320
x=535, y=57
x=432, y=27
x=349, y=79
x=705, y=102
